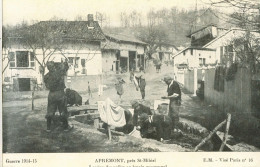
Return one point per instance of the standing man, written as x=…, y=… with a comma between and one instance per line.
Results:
x=140, y=77
x=54, y=81
x=174, y=95
x=89, y=91
x=119, y=87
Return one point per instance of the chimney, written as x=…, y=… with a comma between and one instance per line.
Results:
x=90, y=20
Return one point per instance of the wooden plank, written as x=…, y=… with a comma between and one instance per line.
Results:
x=90, y=107
x=96, y=123
x=82, y=108
x=224, y=141
x=210, y=135
x=92, y=115
x=109, y=132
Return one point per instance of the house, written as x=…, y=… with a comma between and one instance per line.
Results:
x=196, y=55
x=80, y=46
x=122, y=53
x=165, y=51
x=224, y=44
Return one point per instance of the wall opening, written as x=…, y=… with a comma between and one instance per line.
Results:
x=24, y=84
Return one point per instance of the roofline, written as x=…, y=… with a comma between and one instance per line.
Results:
x=232, y=29
x=119, y=40
x=189, y=35
x=69, y=38
x=167, y=44
x=190, y=47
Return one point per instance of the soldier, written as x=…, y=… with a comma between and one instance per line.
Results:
x=119, y=87
x=140, y=77
x=54, y=81
x=138, y=110
x=162, y=124
x=73, y=97
x=174, y=94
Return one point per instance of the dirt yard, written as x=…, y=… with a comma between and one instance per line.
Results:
x=24, y=129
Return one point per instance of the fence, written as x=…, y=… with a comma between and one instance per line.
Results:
x=189, y=78
x=236, y=95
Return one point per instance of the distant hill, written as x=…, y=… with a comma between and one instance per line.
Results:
x=175, y=25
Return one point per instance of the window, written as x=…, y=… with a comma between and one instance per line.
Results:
x=229, y=53
x=183, y=53
x=32, y=55
x=191, y=51
x=11, y=57
x=74, y=61
x=22, y=59
x=202, y=61
x=221, y=54
x=70, y=62
x=77, y=62
x=83, y=61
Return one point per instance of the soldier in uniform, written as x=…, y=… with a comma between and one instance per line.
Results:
x=138, y=110
x=54, y=81
x=140, y=77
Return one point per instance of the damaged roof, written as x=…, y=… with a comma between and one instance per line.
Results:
x=124, y=38
x=68, y=29
x=193, y=47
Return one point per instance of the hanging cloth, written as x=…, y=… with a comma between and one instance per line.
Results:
x=111, y=113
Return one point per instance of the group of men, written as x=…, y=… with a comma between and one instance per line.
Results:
x=143, y=118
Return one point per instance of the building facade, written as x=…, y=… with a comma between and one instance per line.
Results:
x=121, y=53
x=80, y=47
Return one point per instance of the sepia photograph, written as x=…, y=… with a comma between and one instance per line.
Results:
x=128, y=76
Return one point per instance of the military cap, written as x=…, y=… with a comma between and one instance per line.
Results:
x=167, y=78
x=134, y=103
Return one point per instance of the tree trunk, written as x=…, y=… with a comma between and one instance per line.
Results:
x=43, y=84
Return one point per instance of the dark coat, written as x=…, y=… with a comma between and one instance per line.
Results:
x=162, y=124
x=129, y=123
x=137, y=112
x=73, y=97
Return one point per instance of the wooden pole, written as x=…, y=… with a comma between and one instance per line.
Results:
x=226, y=133
x=33, y=98
x=210, y=135
x=109, y=132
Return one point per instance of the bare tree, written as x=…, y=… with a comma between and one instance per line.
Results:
x=79, y=18
x=101, y=18
x=246, y=12
x=124, y=19
x=135, y=19
x=7, y=33
x=247, y=50
x=154, y=35
x=246, y=15
x=43, y=37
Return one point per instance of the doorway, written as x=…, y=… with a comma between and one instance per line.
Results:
x=24, y=84
x=132, y=60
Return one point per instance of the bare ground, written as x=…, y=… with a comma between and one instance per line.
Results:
x=24, y=130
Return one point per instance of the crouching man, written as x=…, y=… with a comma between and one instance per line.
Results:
x=73, y=97
x=54, y=81
x=139, y=109
x=161, y=123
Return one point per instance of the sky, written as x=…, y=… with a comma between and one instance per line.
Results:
x=16, y=11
